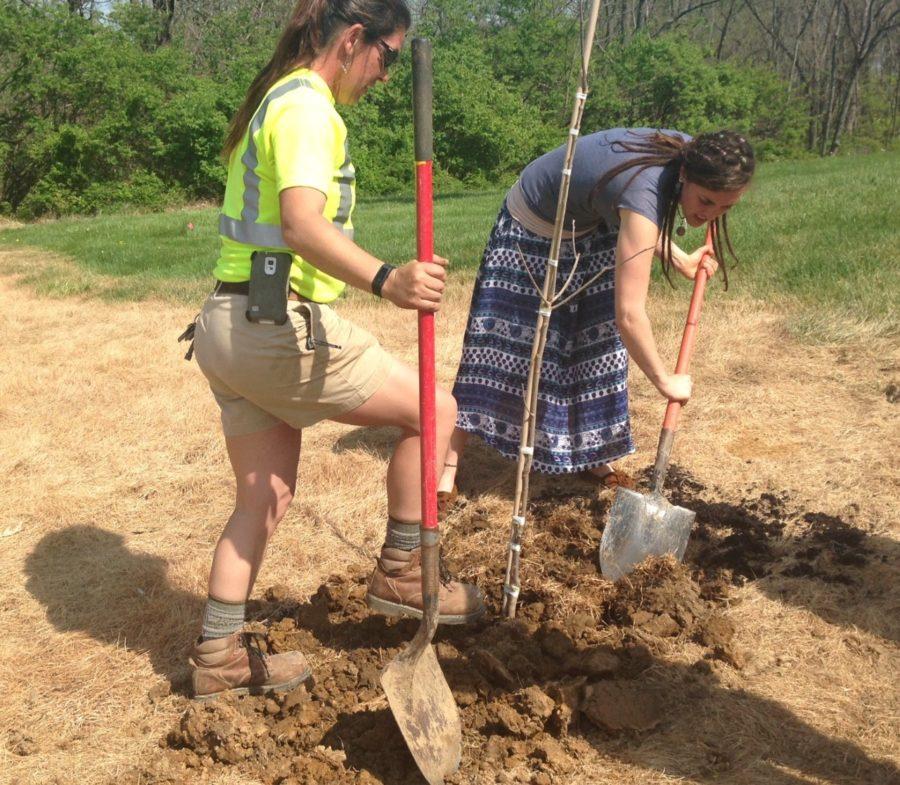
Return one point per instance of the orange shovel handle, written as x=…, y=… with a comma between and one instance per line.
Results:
x=673, y=410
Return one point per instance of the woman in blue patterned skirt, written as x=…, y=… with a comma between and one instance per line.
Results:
x=629, y=189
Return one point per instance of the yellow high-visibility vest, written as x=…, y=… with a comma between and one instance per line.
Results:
x=295, y=138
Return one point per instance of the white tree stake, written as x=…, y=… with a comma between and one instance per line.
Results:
x=511, y=584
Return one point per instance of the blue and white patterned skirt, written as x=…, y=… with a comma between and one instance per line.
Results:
x=582, y=414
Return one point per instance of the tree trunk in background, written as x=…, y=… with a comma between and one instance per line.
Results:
x=722, y=36
x=167, y=9
x=844, y=108
x=795, y=60
x=878, y=19
x=829, y=99
x=83, y=8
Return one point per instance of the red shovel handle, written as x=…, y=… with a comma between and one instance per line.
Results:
x=422, y=108
x=673, y=410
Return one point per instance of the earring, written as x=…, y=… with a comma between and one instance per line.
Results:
x=345, y=66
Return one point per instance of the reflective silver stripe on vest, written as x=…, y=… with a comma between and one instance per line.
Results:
x=249, y=233
x=247, y=230
x=250, y=159
x=345, y=180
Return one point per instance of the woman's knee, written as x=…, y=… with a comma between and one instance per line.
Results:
x=266, y=505
x=445, y=405
x=283, y=499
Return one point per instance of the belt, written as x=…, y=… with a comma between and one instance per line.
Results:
x=243, y=287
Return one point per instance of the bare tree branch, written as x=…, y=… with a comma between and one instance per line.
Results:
x=689, y=10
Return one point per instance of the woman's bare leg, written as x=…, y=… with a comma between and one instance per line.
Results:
x=265, y=470
x=396, y=403
x=601, y=471
x=457, y=447
x=395, y=586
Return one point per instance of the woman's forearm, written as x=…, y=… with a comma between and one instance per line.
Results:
x=310, y=234
x=638, y=236
x=678, y=255
x=637, y=335
x=329, y=250
x=307, y=232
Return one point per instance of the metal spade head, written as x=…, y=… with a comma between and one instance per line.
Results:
x=425, y=711
x=642, y=525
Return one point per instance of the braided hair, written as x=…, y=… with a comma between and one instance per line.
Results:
x=312, y=26
x=719, y=161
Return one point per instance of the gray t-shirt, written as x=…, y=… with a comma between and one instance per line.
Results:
x=595, y=155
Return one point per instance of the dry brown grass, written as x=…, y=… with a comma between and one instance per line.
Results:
x=114, y=468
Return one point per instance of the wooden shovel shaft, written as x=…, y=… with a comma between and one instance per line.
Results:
x=425, y=245
x=688, y=338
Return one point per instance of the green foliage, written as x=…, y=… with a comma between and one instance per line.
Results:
x=100, y=122
x=380, y=132
x=673, y=83
x=877, y=124
x=140, y=24
x=95, y=115
x=535, y=50
x=484, y=129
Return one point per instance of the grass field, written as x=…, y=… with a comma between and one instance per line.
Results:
x=770, y=657
x=116, y=487
x=821, y=235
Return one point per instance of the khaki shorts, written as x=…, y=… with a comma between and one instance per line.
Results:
x=316, y=366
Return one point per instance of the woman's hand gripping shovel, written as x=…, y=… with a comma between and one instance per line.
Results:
x=642, y=525
x=416, y=689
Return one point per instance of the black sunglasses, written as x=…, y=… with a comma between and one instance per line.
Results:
x=389, y=55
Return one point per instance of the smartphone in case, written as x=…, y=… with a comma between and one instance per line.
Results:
x=270, y=273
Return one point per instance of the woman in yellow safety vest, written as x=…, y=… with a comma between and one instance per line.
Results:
x=288, y=201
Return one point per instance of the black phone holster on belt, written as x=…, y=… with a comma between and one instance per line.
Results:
x=270, y=273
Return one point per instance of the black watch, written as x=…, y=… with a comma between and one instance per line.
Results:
x=380, y=277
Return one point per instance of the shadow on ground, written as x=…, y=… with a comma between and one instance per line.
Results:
x=806, y=558
x=90, y=581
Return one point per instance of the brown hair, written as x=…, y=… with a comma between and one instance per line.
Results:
x=719, y=161
x=312, y=26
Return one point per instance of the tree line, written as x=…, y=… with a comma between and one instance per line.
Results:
x=111, y=103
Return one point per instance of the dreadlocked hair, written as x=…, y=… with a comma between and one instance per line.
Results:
x=312, y=26
x=719, y=161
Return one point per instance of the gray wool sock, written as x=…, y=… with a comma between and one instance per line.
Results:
x=403, y=536
x=221, y=618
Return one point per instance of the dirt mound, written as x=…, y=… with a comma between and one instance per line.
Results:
x=578, y=660
x=522, y=686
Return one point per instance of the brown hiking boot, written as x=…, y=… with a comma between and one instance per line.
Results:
x=240, y=664
x=395, y=589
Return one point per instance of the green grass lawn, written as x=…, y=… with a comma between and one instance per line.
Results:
x=816, y=237
x=826, y=233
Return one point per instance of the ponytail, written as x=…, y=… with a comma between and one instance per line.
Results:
x=312, y=26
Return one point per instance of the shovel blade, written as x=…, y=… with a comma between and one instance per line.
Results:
x=642, y=525
x=423, y=706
